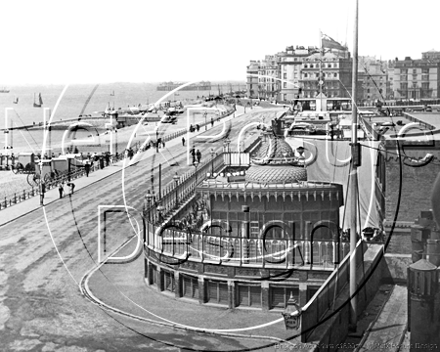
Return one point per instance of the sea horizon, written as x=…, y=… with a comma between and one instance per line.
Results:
x=78, y=99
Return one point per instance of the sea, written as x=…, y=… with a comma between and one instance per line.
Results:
x=88, y=99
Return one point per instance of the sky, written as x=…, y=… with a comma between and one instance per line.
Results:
x=94, y=41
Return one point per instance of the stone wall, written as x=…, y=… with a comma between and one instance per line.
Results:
x=417, y=183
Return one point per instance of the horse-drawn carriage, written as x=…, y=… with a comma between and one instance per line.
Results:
x=50, y=170
x=25, y=164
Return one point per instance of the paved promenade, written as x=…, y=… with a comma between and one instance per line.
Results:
x=20, y=209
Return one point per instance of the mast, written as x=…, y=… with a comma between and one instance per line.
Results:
x=321, y=58
x=355, y=160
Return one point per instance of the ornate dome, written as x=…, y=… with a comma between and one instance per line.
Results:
x=276, y=174
x=273, y=162
x=274, y=151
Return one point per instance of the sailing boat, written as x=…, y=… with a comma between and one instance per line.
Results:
x=15, y=100
x=40, y=101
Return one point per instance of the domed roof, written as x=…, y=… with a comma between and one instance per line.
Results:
x=276, y=174
x=274, y=162
x=274, y=150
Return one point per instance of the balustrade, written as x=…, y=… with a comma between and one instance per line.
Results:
x=253, y=252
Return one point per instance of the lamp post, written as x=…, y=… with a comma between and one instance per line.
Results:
x=291, y=314
x=160, y=209
x=300, y=151
x=116, y=142
x=205, y=115
x=157, y=139
x=176, y=182
x=147, y=205
x=212, y=161
x=226, y=143
x=196, y=163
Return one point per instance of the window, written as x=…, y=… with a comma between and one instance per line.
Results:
x=285, y=75
x=404, y=86
x=305, y=74
x=153, y=272
x=279, y=295
x=329, y=65
x=190, y=287
x=425, y=85
x=217, y=292
x=249, y=296
x=335, y=75
x=168, y=280
x=425, y=70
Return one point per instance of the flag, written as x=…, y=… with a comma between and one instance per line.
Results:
x=330, y=43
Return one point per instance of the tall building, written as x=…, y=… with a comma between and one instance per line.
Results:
x=417, y=79
x=268, y=80
x=290, y=70
x=373, y=75
x=252, y=78
x=335, y=78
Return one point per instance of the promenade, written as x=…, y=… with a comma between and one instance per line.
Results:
x=22, y=208
x=160, y=321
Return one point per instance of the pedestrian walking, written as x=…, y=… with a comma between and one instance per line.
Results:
x=193, y=153
x=87, y=168
x=212, y=122
x=61, y=189
x=183, y=141
x=199, y=155
x=72, y=187
x=42, y=192
x=163, y=144
x=198, y=127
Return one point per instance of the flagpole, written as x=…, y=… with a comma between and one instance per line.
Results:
x=355, y=160
x=320, y=68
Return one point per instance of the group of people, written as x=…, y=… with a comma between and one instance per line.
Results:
x=130, y=153
x=196, y=155
x=61, y=190
x=71, y=185
x=194, y=128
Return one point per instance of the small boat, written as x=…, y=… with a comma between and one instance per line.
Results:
x=39, y=103
x=4, y=90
